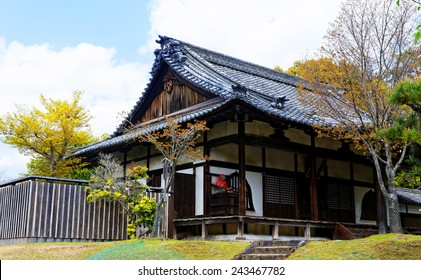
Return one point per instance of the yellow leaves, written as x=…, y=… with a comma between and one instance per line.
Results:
x=52, y=132
x=177, y=141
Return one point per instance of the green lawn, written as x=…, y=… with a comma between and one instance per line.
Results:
x=144, y=249
x=377, y=247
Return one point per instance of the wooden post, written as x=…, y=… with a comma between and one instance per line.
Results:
x=313, y=181
x=275, y=230
x=242, y=169
x=240, y=229
x=206, y=178
x=307, y=232
x=204, y=230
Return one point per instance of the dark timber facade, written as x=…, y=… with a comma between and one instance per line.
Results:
x=283, y=180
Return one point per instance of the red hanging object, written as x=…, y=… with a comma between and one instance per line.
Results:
x=222, y=183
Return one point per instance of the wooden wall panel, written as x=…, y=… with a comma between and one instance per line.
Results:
x=165, y=103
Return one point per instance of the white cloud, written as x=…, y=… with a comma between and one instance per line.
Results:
x=267, y=32
x=29, y=70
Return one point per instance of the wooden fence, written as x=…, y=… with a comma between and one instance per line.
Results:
x=41, y=209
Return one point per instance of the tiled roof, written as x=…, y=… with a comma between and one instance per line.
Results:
x=222, y=76
x=410, y=196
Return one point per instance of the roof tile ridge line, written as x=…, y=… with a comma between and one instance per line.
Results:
x=156, y=66
x=287, y=78
x=197, y=57
x=274, y=75
x=256, y=94
x=209, y=68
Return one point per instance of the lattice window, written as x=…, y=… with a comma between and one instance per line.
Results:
x=339, y=197
x=280, y=189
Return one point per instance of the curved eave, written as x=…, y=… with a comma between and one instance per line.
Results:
x=131, y=135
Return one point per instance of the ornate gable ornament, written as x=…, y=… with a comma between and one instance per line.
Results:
x=171, y=48
x=170, y=81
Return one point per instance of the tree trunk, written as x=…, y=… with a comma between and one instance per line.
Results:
x=389, y=194
x=162, y=202
x=394, y=214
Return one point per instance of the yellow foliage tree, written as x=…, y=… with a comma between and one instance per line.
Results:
x=175, y=142
x=50, y=135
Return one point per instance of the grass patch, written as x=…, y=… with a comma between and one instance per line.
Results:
x=53, y=250
x=376, y=247
x=154, y=249
x=145, y=249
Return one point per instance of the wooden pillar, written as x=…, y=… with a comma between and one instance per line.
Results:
x=307, y=232
x=204, y=230
x=240, y=229
x=206, y=177
x=242, y=169
x=275, y=230
x=313, y=181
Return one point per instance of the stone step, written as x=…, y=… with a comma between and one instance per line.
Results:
x=272, y=250
x=269, y=250
x=264, y=256
x=292, y=243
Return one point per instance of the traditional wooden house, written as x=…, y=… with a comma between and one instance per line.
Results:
x=282, y=179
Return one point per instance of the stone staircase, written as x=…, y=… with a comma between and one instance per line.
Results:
x=269, y=250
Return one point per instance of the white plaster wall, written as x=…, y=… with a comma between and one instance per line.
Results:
x=279, y=159
x=256, y=184
x=327, y=143
x=222, y=129
x=298, y=136
x=259, y=128
x=199, y=191
x=136, y=152
x=339, y=169
x=363, y=173
x=253, y=156
x=359, y=193
x=155, y=163
x=228, y=153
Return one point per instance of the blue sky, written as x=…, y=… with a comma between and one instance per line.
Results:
x=122, y=25
x=105, y=48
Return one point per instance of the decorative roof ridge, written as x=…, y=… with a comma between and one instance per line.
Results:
x=239, y=64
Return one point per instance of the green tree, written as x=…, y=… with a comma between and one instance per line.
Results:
x=175, y=142
x=108, y=183
x=50, y=135
x=408, y=93
x=372, y=49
